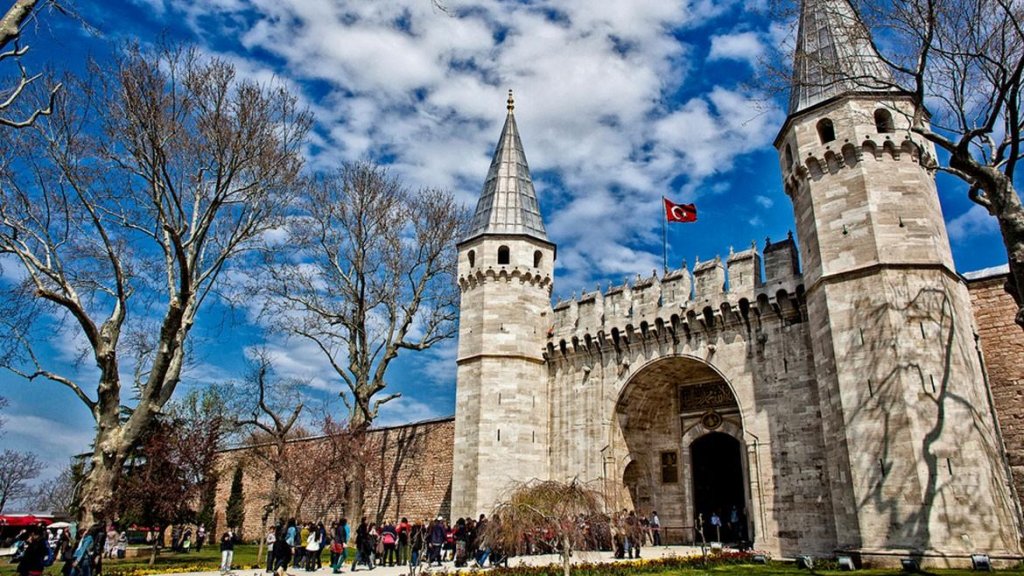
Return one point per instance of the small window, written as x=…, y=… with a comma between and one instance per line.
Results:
x=789, y=155
x=826, y=131
x=883, y=121
x=472, y=258
x=503, y=255
x=538, y=257
x=669, y=468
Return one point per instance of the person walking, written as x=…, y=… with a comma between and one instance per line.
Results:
x=82, y=564
x=656, y=528
x=389, y=545
x=322, y=540
x=403, y=529
x=338, y=550
x=33, y=555
x=364, y=546
x=282, y=553
x=312, y=547
x=227, y=551
x=417, y=543
x=437, y=538
x=271, y=539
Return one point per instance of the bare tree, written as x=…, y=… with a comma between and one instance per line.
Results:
x=271, y=408
x=11, y=25
x=377, y=276
x=122, y=211
x=336, y=448
x=56, y=495
x=16, y=470
x=961, y=62
x=569, y=512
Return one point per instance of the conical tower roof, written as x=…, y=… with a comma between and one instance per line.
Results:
x=834, y=55
x=508, y=203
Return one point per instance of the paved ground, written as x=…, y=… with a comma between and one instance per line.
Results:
x=540, y=560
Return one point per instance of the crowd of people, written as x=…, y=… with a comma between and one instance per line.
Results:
x=302, y=546
x=298, y=545
x=37, y=548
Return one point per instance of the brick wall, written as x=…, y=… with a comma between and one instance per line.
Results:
x=1002, y=344
x=408, y=473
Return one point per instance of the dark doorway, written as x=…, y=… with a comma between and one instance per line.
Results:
x=718, y=486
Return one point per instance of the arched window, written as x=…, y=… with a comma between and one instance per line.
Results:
x=883, y=121
x=826, y=131
x=472, y=258
x=789, y=155
x=502, y=255
x=538, y=257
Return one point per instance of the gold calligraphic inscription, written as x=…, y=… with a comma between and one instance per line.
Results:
x=694, y=397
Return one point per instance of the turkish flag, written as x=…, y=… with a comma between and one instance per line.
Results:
x=680, y=212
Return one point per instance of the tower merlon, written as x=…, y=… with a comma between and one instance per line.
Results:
x=656, y=303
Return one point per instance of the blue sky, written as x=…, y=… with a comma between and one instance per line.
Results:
x=618, y=103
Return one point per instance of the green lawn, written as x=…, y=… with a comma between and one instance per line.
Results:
x=245, y=557
x=208, y=559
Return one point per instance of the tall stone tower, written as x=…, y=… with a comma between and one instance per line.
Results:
x=505, y=274
x=912, y=456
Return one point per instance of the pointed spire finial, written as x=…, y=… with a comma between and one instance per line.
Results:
x=511, y=105
x=508, y=202
x=834, y=55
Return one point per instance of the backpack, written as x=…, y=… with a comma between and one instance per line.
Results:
x=388, y=538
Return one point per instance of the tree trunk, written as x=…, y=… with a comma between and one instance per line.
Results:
x=156, y=546
x=566, y=557
x=354, y=506
x=1011, y=225
x=357, y=494
x=260, y=556
x=97, y=495
x=1002, y=201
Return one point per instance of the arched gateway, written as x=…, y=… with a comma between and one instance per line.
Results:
x=842, y=407
x=685, y=455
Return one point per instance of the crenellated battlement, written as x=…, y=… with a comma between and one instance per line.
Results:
x=526, y=275
x=833, y=157
x=715, y=293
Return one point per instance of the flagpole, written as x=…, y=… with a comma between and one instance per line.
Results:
x=664, y=236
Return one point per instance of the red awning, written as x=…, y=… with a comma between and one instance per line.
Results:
x=21, y=520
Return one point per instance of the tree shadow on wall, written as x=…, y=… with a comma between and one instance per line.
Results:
x=395, y=477
x=928, y=420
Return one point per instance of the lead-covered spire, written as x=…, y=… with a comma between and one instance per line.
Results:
x=834, y=55
x=508, y=203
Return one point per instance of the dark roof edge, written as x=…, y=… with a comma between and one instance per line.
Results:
x=437, y=420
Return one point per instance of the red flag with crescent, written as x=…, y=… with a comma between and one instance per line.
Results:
x=680, y=212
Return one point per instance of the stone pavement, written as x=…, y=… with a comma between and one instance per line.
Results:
x=538, y=560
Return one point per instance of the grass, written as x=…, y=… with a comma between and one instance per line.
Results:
x=208, y=559
x=245, y=558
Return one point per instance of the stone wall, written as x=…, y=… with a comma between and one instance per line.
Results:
x=408, y=473
x=1002, y=343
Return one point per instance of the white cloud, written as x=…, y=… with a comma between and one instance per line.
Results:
x=975, y=222
x=592, y=81
x=54, y=441
x=405, y=410
x=764, y=201
x=595, y=84
x=301, y=360
x=744, y=46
